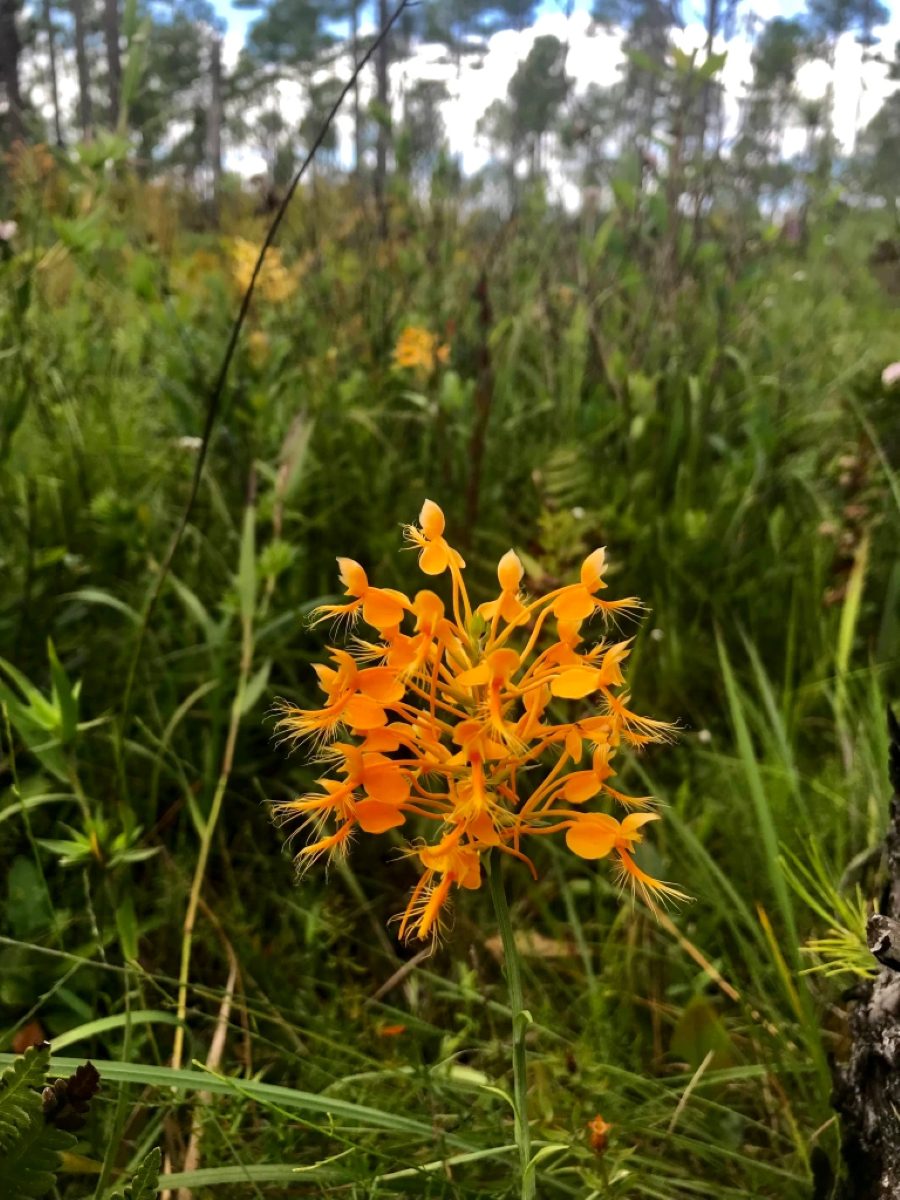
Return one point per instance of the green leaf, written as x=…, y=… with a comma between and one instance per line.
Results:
x=127, y=927
x=699, y=1032
x=42, y=711
x=625, y=193
x=31, y=802
x=98, y=596
x=70, y=853
x=144, y=1183
x=27, y=910
x=361, y=1115
x=684, y=62
x=256, y=685
x=712, y=66
x=141, y=1016
x=196, y=610
x=30, y=1148
x=17, y=1099
x=65, y=696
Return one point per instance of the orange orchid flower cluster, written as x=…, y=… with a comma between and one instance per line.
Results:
x=462, y=719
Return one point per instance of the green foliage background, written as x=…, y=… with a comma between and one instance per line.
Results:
x=707, y=403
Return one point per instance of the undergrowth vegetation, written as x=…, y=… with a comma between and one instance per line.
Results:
x=705, y=402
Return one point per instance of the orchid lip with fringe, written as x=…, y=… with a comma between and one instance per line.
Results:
x=455, y=721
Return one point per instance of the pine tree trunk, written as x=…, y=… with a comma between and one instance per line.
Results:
x=357, y=115
x=383, y=96
x=13, y=125
x=215, y=123
x=85, y=113
x=867, y=1086
x=113, y=61
x=54, y=78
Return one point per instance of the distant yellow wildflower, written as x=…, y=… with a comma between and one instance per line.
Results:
x=276, y=282
x=258, y=347
x=461, y=723
x=417, y=349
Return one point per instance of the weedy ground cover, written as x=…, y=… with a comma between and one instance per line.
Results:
x=710, y=409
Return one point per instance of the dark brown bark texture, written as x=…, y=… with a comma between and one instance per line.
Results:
x=54, y=84
x=867, y=1086
x=383, y=96
x=113, y=59
x=12, y=124
x=85, y=114
x=214, y=132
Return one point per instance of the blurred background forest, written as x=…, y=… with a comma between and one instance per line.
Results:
x=657, y=311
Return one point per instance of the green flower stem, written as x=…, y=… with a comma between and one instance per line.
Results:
x=513, y=970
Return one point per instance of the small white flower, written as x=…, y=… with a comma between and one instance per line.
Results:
x=578, y=512
x=189, y=443
x=657, y=634
x=890, y=376
x=8, y=230
x=704, y=737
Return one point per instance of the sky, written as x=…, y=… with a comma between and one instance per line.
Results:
x=595, y=57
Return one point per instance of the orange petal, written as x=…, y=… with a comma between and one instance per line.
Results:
x=376, y=817
x=592, y=837
x=381, y=740
x=568, y=631
x=611, y=671
x=431, y=520
x=362, y=713
x=386, y=783
x=510, y=571
x=474, y=677
x=327, y=676
x=471, y=877
x=575, y=684
x=380, y=683
x=353, y=577
x=481, y=829
x=635, y=821
x=381, y=609
x=511, y=608
x=435, y=558
x=502, y=663
x=573, y=604
x=580, y=786
x=402, y=653
x=592, y=569
x=428, y=607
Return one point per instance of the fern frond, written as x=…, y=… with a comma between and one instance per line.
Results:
x=144, y=1183
x=30, y=1147
x=19, y=1102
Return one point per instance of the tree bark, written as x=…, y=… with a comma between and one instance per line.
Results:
x=357, y=115
x=214, y=132
x=113, y=61
x=10, y=48
x=54, y=78
x=867, y=1086
x=85, y=113
x=383, y=96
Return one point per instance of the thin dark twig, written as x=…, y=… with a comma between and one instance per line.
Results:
x=218, y=388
